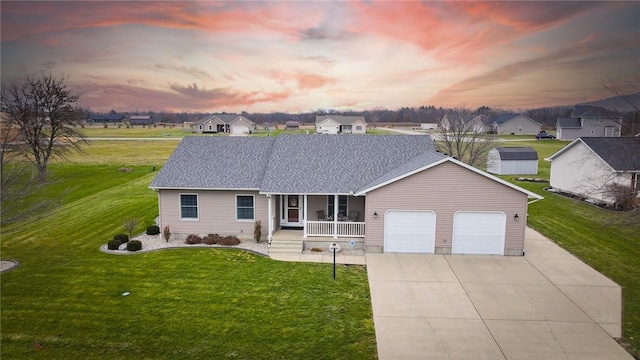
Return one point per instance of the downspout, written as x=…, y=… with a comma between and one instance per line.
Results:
x=269, y=220
x=304, y=216
x=335, y=216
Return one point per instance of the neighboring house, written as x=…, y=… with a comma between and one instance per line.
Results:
x=428, y=126
x=512, y=160
x=512, y=124
x=391, y=193
x=140, y=120
x=225, y=123
x=464, y=123
x=588, y=165
x=292, y=125
x=588, y=121
x=338, y=124
x=105, y=118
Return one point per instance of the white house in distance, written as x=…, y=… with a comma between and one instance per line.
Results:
x=225, y=123
x=512, y=160
x=339, y=124
x=512, y=124
x=588, y=165
x=588, y=121
x=470, y=123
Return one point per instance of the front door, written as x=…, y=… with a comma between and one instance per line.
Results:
x=291, y=210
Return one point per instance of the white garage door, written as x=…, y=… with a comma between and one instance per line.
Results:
x=409, y=231
x=479, y=232
x=239, y=129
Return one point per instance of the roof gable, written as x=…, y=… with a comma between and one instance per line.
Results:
x=619, y=153
x=341, y=119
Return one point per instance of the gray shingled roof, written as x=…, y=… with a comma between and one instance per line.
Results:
x=581, y=111
x=517, y=153
x=569, y=123
x=340, y=119
x=311, y=164
x=621, y=153
x=499, y=119
x=329, y=164
x=216, y=163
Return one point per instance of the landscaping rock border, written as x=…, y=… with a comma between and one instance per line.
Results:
x=156, y=243
x=8, y=265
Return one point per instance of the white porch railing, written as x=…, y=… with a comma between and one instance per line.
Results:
x=326, y=228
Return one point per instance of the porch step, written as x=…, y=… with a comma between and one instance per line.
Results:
x=285, y=246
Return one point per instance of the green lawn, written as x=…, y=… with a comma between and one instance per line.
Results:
x=136, y=131
x=65, y=300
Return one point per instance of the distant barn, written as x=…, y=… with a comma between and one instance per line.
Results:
x=292, y=125
x=512, y=160
x=140, y=120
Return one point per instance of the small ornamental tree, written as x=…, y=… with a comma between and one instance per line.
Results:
x=130, y=225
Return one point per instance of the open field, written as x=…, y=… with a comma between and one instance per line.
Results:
x=64, y=301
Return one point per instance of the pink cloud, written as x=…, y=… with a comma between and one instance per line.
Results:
x=94, y=94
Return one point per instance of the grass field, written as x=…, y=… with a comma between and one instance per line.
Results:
x=64, y=301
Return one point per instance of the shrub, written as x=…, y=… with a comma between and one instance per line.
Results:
x=228, y=240
x=166, y=233
x=193, y=239
x=114, y=244
x=211, y=239
x=153, y=230
x=123, y=238
x=134, y=245
x=257, y=231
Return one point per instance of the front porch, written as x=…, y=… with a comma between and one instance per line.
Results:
x=319, y=217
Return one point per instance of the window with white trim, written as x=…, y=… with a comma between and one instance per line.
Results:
x=188, y=206
x=635, y=181
x=359, y=128
x=342, y=205
x=245, y=209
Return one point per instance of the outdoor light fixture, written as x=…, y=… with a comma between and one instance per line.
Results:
x=375, y=214
x=516, y=217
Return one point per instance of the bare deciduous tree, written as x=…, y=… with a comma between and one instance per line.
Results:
x=40, y=106
x=461, y=135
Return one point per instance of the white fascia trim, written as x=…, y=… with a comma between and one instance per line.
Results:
x=302, y=193
x=550, y=158
x=364, y=191
x=458, y=162
x=202, y=189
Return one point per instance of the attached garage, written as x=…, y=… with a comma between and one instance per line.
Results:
x=479, y=233
x=409, y=231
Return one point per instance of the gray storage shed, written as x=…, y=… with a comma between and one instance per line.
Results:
x=512, y=160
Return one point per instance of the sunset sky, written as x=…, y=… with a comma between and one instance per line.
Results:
x=299, y=56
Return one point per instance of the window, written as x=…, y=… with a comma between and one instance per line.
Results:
x=359, y=128
x=635, y=181
x=244, y=207
x=342, y=205
x=189, y=206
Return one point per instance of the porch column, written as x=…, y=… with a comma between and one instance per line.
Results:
x=304, y=216
x=335, y=216
x=270, y=217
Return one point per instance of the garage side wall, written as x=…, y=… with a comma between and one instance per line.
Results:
x=445, y=189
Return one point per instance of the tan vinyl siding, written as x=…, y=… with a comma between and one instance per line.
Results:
x=519, y=125
x=216, y=212
x=445, y=189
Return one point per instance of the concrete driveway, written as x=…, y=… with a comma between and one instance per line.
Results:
x=545, y=305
